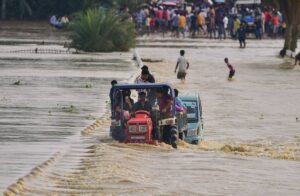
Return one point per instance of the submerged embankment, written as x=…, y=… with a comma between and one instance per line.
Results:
x=47, y=99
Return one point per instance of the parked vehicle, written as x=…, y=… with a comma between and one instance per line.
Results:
x=146, y=126
x=249, y=21
x=195, y=131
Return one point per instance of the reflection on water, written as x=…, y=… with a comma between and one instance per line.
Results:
x=46, y=100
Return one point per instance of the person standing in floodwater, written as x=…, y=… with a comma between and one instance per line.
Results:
x=111, y=95
x=241, y=32
x=297, y=58
x=182, y=65
x=231, y=69
x=182, y=24
x=113, y=83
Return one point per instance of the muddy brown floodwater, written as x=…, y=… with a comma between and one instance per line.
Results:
x=46, y=100
x=252, y=135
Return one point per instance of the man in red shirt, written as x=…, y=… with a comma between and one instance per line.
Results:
x=268, y=21
x=275, y=23
x=159, y=13
x=159, y=18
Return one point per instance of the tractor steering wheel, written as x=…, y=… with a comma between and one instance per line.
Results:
x=142, y=112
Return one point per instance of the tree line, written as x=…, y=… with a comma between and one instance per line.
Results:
x=43, y=10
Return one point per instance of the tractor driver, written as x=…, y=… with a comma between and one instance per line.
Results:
x=142, y=104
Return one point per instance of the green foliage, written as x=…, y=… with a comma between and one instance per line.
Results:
x=70, y=109
x=90, y=117
x=97, y=30
x=17, y=82
x=42, y=9
x=24, y=7
x=88, y=86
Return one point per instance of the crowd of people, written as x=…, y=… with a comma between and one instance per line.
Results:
x=213, y=21
x=151, y=97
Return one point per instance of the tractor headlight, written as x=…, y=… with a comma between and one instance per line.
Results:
x=132, y=128
x=143, y=128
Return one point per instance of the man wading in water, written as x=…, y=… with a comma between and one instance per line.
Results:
x=182, y=65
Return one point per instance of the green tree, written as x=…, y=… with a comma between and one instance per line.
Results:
x=23, y=8
x=3, y=10
x=15, y=9
x=97, y=30
x=42, y=9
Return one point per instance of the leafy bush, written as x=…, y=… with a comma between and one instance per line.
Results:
x=98, y=30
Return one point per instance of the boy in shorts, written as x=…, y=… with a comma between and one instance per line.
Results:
x=182, y=65
x=231, y=69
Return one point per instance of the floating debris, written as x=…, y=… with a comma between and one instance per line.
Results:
x=71, y=109
x=88, y=86
x=17, y=82
x=152, y=60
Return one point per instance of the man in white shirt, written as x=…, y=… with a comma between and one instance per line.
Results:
x=143, y=78
x=182, y=65
x=225, y=21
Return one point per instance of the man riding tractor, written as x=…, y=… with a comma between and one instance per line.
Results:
x=146, y=122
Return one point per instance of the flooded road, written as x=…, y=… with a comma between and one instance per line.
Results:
x=46, y=100
x=252, y=135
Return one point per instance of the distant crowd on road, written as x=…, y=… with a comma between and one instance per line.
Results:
x=217, y=21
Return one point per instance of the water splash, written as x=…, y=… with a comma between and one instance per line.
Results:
x=284, y=150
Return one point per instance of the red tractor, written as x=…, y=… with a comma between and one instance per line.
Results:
x=149, y=126
x=139, y=128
